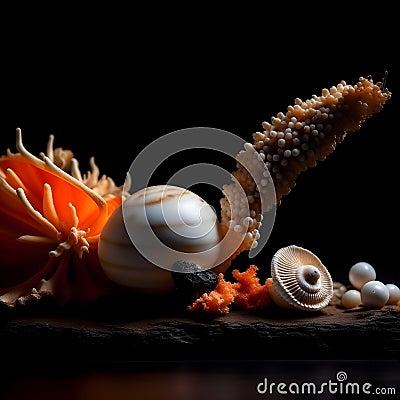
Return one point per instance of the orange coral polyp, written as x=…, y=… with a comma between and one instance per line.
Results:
x=48, y=214
x=56, y=209
x=42, y=187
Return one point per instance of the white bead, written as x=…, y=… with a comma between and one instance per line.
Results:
x=394, y=294
x=374, y=294
x=361, y=273
x=295, y=152
x=351, y=299
x=238, y=228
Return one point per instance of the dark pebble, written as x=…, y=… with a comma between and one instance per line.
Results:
x=192, y=280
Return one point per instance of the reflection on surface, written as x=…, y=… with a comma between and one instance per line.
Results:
x=199, y=380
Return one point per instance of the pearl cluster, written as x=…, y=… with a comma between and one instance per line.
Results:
x=366, y=290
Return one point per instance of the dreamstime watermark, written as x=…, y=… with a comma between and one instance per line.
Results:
x=340, y=385
x=152, y=156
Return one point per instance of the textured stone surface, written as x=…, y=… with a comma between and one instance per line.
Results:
x=332, y=333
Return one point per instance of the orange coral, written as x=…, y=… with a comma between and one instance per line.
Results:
x=247, y=293
x=50, y=223
x=218, y=300
x=251, y=295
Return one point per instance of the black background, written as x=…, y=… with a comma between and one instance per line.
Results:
x=107, y=86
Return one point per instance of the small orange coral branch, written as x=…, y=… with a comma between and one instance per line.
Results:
x=247, y=293
x=218, y=300
x=251, y=295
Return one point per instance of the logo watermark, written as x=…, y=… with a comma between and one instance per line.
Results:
x=152, y=156
x=339, y=385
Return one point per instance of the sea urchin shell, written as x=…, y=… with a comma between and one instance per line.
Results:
x=300, y=280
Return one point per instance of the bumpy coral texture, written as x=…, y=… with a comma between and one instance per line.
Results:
x=218, y=300
x=292, y=142
x=50, y=222
x=247, y=294
x=251, y=294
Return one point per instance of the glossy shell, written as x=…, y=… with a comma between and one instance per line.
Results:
x=167, y=224
x=300, y=280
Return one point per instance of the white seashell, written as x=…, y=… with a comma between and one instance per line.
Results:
x=394, y=294
x=361, y=273
x=374, y=294
x=154, y=228
x=351, y=299
x=300, y=280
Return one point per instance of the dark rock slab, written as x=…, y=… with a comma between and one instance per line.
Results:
x=332, y=333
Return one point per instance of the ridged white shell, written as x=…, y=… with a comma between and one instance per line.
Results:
x=300, y=280
x=181, y=221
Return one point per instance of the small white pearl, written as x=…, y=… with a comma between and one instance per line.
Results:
x=394, y=294
x=361, y=273
x=351, y=299
x=374, y=294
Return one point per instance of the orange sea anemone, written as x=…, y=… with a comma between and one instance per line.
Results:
x=50, y=222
